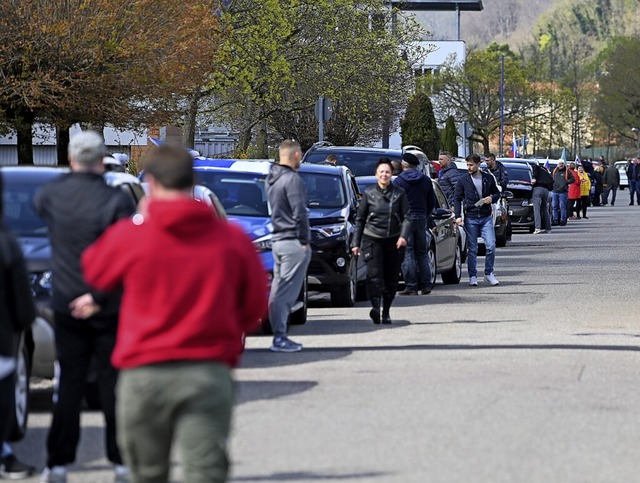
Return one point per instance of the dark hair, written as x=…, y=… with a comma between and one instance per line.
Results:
x=385, y=161
x=491, y=156
x=474, y=158
x=171, y=166
x=332, y=158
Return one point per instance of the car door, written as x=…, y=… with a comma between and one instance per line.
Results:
x=444, y=232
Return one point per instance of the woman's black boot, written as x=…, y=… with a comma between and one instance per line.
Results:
x=374, y=313
x=386, y=318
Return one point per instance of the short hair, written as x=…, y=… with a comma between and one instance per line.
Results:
x=331, y=158
x=386, y=161
x=171, y=166
x=491, y=156
x=445, y=153
x=87, y=148
x=288, y=147
x=475, y=158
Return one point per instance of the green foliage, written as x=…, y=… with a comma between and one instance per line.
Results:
x=419, y=125
x=449, y=137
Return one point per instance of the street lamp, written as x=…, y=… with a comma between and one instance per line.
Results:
x=637, y=131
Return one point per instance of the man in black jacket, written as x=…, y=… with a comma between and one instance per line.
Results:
x=498, y=170
x=562, y=178
x=419, y=188
x=475, y=192
x=290, y=241
x=77, y=208
x=448, y=176
x=542, y=182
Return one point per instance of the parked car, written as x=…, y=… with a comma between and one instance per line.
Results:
x=621, y=167
x=37, y=347
x=499, y=213
x=362, y=161
x=446, y=241
x=520, y=205
x=240, y=188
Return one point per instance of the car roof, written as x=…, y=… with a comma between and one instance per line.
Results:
x=354, y=149
x=517, y=165
x=30, y=172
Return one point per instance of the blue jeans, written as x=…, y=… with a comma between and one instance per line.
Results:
x=483, y=227
x=559, y=204
x=415, y=266
x=539, y=196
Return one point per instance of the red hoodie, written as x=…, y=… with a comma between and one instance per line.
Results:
x=193, y=284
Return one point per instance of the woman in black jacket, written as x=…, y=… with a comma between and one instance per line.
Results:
x=16, y=314
x=382, y=228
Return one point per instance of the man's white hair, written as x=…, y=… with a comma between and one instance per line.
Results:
x=87, y=148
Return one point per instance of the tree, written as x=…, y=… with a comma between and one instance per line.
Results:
x=419, y=125
x=472, y=91
x=449, y=138
x=126, y=62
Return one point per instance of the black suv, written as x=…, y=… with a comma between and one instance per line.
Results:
x=520, y=206
x=362, y=161
x=332, y=195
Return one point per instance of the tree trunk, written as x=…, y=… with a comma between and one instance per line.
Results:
x=485, y=145
x=189, y=128
x=245, y=139
x=261, y=140
x=24, y=132
x=62, y=143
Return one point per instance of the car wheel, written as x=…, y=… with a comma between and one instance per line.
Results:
x=19, y=412
x=453, y=276
x=299, y=317
x=433, y=265
x=345, y=296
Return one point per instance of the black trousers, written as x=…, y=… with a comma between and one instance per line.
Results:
x=7, y=389
x=383, y=266
x=81, y=344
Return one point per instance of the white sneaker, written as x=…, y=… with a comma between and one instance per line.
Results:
x=491, y=279
x=56, y=474
x=473, y=281
x=121, y=474
x=538, y=231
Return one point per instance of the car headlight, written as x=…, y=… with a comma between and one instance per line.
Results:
x=263, y=244
x=331, y=230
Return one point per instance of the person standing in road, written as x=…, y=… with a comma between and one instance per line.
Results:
x=17, y=312
x=422, y=199
x=474, y=194
x=448, y=176
x=290, y=241
x=497, y=169
x=382, y=229
x=193, y=287
x=542, y=184
x=573, y=194
x=633, y=175
x=611, y=182
x=585, y=192
x=561, y=181
x=77, y=207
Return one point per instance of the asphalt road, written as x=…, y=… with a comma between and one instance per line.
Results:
x=536, y=380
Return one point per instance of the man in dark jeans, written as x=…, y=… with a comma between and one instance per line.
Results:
x=633, y=175
x=77, y=208
x=419, y=188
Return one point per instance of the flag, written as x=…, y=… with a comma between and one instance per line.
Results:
x=514, y=147
x=563, y=156
x=546, y=164
x=577, y=160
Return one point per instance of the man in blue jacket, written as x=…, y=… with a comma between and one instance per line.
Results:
x=422, y=199
x=475, y=192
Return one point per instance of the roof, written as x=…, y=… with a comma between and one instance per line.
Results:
x=438, y=5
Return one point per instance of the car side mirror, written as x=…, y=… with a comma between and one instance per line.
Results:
x=441, y=214
x=508, y=194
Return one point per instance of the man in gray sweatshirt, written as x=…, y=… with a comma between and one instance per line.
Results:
x=290, y=241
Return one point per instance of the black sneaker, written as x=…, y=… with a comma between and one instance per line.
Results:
x=409, y=292
x=284, y=344
x=374, y=313
x=12, y=469
x=425, y=290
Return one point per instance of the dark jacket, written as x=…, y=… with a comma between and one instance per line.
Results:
x=77, y=208
x=449, y=177
x=466, y=196
x=562, y=178
x=16, y=305
x=611, y=177
x=543, y=177
x=629, y=170
x=501, y=174
x=288, y=199
x=419, y=189
x=382, y=214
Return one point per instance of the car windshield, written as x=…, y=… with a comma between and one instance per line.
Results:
x=360, y=163
x=241, y=194
x=324, y=190
x=19, y=215
x=519, y=175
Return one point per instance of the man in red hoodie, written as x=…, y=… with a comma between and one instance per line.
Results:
x=193, y=286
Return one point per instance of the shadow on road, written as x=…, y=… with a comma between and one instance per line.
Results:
x=259, y=358
x=308, y=476
x=248, y=391
x=472, y=347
